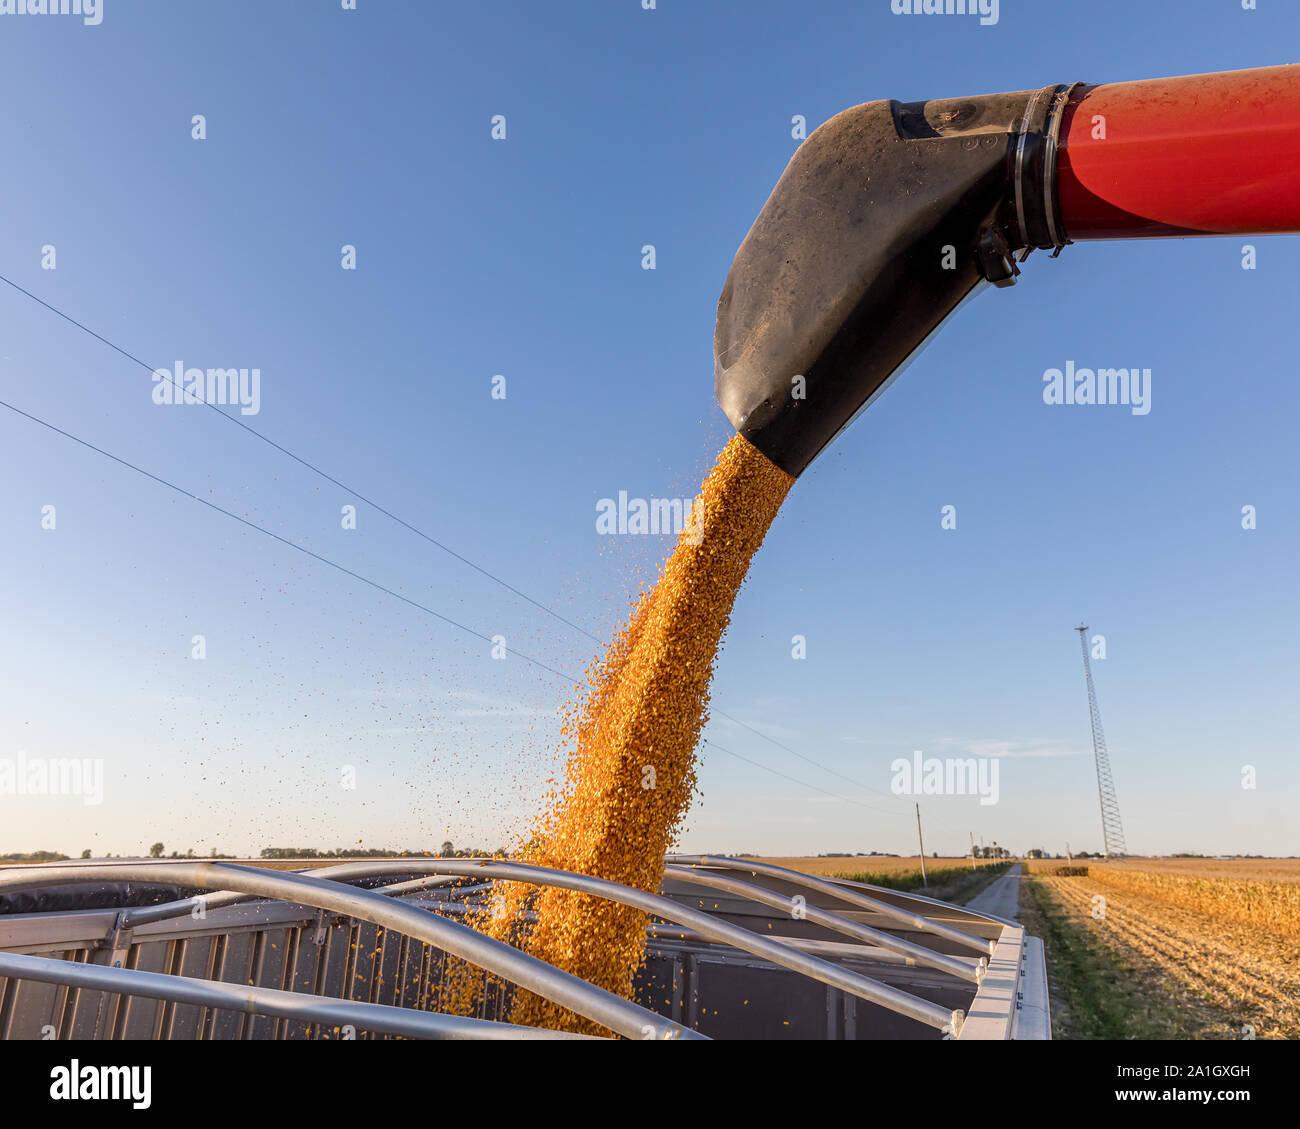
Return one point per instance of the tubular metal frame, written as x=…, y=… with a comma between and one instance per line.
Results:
x=915, y=954
x=519, y=968
x=267, y=1001
x=822, y=885
x=320, y=888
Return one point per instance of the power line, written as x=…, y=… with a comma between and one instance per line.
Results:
x=802, y=783
x=380, y=509
x=801, y=756
x=406, y=525
x=301, y=461
x=379, y=587
x=275, y=536
x=826, y=768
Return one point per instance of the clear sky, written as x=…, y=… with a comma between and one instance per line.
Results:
x=522, y=258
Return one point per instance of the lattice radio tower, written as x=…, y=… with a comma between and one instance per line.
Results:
x=1111, y=829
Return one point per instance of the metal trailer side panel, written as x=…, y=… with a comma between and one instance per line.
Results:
x=362, y=963
x=270, y=974
x=387, y=985
x=138, y=1016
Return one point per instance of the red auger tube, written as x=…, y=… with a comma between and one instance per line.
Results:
x=1208, y=154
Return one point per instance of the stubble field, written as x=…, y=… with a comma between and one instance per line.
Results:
x=1175, y=948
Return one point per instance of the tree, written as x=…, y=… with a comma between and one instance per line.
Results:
x=155, y=852
x=86, y=853
x=447, y=850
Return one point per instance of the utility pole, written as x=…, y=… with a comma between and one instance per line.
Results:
x=972, y=851
x=921, y=844
x=1112, y=831
x=1068, y=857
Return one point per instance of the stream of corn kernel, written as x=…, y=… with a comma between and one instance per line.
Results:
x=631, y=734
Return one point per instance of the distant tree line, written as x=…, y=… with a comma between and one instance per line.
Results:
x=446, y=851
x=156, y=850
x=827, y=855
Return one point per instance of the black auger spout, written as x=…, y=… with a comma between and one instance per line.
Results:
x=888, y=216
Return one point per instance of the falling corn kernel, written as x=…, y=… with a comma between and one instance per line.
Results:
x=633, y=730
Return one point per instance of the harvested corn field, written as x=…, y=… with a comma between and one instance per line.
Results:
x=1209, y=978
x=1273, y=906
x=1256, y=893
x=1241, y=869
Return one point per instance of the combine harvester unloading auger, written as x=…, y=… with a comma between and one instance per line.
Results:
x=888, y=218
x=893, y=214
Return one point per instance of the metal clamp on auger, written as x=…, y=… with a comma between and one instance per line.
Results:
x=1036, y=210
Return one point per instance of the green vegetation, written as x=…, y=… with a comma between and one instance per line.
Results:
x=944, y=880
x=1095, y=994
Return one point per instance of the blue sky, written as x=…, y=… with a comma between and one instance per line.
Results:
x=522, y=258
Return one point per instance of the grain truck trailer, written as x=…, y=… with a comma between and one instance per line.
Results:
x=163, y=949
